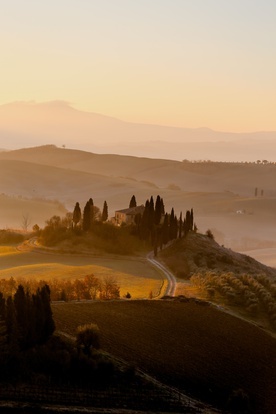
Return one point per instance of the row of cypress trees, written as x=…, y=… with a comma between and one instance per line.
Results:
x=90, y=214
x=154, y=225
x=158, y=227
x=25, y=319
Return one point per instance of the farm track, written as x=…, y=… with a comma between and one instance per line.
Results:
x=33, y=246
x=170, y=290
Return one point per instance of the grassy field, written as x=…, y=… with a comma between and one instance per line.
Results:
x=196, y=348
x=134, y=275
x=8, y=250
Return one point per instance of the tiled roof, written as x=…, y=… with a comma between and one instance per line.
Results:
x=132, y=210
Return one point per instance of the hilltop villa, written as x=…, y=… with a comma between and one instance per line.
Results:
x=127, y=215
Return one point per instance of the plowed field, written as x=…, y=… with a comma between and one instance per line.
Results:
x=196, y=348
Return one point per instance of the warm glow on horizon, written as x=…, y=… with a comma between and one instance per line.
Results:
x=207, y=63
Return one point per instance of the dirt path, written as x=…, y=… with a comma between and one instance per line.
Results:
x=170, y=290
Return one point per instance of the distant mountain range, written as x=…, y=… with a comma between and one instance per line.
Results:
x=27, y=124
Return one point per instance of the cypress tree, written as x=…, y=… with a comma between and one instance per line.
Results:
x=165, y=230
x=180, y=225
x=39, y=317
x=30, y=334
x=20, y=304
x=49, y=324
x=12, y=327
x=171, y=225
x=162, y=207
x=105, y=212
x=158, y=210
x=137, y=220
x=132, y=202
x=2, y=306
x=86, y=218
x=175, y=228
x=188, y=221
x=192, y=219
x=91, y=203
x=151, y=220
x=144, y=227
x=4, y=349
x=76, y=214
x=185, y=227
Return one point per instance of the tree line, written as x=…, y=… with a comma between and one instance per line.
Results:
x=25, y=319
x=86, y=288
x=31, y=354
x=154, y=227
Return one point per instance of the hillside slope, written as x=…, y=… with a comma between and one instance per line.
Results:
x=216, y=191
x=198, y=253
x=201, y=176
x=196, y=348
x=229, y=279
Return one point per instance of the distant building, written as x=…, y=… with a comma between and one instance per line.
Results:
x=240, y=212
x=127, y=215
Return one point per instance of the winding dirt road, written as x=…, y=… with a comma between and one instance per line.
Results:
x=32, y=245
x=170, y=291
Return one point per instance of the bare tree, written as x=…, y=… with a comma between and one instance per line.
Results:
x=109, y=289
x=26, y=221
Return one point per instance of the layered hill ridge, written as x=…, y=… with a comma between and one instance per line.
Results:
x=24, y=124
x=240, y=178
x=236, y=200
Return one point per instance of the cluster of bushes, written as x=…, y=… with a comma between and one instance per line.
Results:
x=89, y=287
x=101, y=236
x=57, y=362
x=254, y=293
x=11, y=237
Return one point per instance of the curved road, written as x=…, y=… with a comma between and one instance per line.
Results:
x=170, y=291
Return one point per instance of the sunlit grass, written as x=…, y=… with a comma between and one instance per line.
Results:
x=8, y=250
x=136, y=277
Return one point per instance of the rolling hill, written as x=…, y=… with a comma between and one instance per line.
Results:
x=25, y=124
x=221, y=194
x=198, y=349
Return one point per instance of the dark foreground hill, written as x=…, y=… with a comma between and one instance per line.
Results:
x=196, y=348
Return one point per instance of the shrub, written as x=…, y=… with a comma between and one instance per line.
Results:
x=10, y=237
x=238, y=402
x=88, y=338
x=210, y=234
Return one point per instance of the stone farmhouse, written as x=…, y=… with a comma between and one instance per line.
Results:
x=127, y=215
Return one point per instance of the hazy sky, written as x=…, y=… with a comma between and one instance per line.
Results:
x=190, y=63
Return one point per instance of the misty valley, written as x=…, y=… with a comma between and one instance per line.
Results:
x=136, y=284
